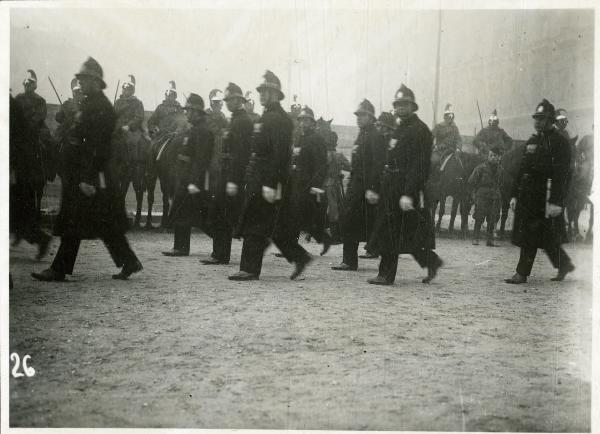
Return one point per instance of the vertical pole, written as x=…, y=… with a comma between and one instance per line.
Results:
x=436, y=94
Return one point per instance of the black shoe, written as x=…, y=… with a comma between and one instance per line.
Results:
x=243, y=275
x=344, y=267
x=379, y=280
x=516, y=279
x=369, y=255
x=128, y=270
x=432, y=271
x=562, y=273
x=43, y=247
x=326, y=244
x=475, y=242
x=176, y=252
x=49, y=275
x=214, y=261
x=300, y=266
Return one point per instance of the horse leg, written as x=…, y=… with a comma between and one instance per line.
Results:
x=151, y=186
x=442, y=203
x=465, y=207
x=138, y=187
x=589, y=236
x=453, y=212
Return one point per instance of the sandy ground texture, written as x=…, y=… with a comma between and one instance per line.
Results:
x=179, y=345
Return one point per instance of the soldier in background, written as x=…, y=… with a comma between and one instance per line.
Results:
x=492, y=136
x=538, y=197
x=127, y=149
x=267, y=187
x=249, y=107
x=368, y=159
x=66, y=117
x=334, y=186
x=37, y=135
x=446, y=134
x=235, y=153
x=193, y=157
x=23, y=217
x=164, y=118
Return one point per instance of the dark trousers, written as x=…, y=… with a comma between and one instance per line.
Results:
x=254, y=247
x=350, y=253
x=389, y=262
x=182, y=237
x=117, y=246
x=222, y=244
x=556, y=254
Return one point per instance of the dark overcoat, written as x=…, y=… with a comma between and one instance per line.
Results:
x=269, y=166
x=194, y=150
x=406, y=173
x=546, y=156
x=368, y=159
x=86, y=156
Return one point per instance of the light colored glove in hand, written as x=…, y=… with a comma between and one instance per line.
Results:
x=231, y=189
x=87, y=189
x=125, y=128
x=315, y=190
x=513, y=203
x=192, y=189
x=371, y=197
x=554, y=210
x=406, y=203
x=268, y=194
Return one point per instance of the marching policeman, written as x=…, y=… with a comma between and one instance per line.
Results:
x=404, y=223
x=539, y=195
x=91, y=206
x=368, y=159
x=235, y=153
x=309, y=164
x=267, y=186
x=492, y=136
x=194, y=150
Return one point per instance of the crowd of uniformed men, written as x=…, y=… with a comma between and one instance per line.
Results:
x=269, y=178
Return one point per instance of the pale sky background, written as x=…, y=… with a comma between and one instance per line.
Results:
x=330, y=57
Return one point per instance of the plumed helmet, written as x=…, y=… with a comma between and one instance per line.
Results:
x=30, y=77
x=75, y=84
x=561, y=113
x=129, y=82
x=172, y=88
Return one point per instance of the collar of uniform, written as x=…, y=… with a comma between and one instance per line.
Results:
x=409, y=119
x=273, y=106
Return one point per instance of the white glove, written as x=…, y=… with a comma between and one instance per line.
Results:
x=315, y=190
x=371, y=197
x=406, y=203
x=87, y=189
x=513, y=203
x=125, y=128
x=192, y=189
x=554, y=210
x=268, y=193
x=231, y=189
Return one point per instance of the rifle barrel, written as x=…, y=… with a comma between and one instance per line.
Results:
x=55, y=92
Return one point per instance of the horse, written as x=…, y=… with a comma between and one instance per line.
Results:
x=448, y=177
x=133, y=157
x=578, y=195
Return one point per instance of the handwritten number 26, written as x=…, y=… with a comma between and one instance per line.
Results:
x=29, y=371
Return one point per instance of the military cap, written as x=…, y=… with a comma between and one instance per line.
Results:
x=405, y=94
x=75, y=84
x=306, y=112
x=215, y=95
x=561, y=113
x=91, y=68
x=544, y=109
x=365, y=107
x=271, y=81
x=232, y=91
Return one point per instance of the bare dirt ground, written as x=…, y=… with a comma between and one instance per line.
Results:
x=179, y=345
